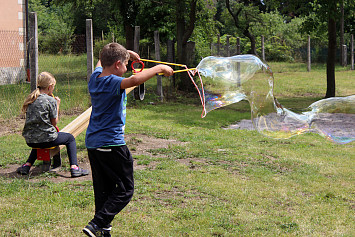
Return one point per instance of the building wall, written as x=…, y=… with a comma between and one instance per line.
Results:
x=12, y=41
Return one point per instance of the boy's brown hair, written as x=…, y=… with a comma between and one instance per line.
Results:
x=113, y=52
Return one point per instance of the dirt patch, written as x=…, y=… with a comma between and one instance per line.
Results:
x=139, y=145
x=12, y=126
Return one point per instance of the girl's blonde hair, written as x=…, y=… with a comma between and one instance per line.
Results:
x=44, y=80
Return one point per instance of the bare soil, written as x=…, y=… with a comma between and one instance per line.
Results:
x=139, y=144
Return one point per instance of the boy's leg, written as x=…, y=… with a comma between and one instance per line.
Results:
x=114, y=167
x=101, y=182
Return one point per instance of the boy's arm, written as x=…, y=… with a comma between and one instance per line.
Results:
x=98, y=64
x=145, y=75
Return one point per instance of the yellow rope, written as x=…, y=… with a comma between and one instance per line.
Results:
x=183, y=70
x=153, y=61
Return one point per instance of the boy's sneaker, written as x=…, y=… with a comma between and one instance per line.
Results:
x=93, y=230
x=78, y=172
x=107, y=231
x=24, y=169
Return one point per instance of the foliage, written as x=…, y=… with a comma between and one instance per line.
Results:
x=156, y=16
x=99, y=43
x=281, y=37
x=55, y=27
x=205, y=30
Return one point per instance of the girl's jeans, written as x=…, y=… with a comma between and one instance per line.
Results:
x=63, y=138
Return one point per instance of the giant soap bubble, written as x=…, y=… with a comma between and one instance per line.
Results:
x=228, y=80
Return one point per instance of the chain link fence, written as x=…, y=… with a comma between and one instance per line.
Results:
x=68, y=69
x=12, y=57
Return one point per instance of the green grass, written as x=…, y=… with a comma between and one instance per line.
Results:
x=217, y=182
x=63, y=64
x=70, y=73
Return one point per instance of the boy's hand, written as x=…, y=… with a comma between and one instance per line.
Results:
x=166, y=70
x=133, y=55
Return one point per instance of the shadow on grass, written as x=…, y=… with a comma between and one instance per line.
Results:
x=35, y=172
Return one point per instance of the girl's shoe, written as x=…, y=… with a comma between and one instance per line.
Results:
x=24, y=169
x=78, y=172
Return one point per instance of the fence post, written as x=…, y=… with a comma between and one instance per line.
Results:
x=157, y=57
x=238, y=63
x=344, y=60
x=262, y=48
x=137, y=32
x=227, y=45
x=33, y=35
x=238, y=45
x=171, y=56
x=218, y=44
x=138, y=92
x=89, y=49
x=309, y=54
x=352, y=52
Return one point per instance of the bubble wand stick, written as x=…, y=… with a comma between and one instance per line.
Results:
x=160, y=62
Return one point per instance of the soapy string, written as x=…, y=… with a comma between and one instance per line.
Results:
x=190, y=71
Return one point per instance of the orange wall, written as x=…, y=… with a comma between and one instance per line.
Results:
x=11, y=14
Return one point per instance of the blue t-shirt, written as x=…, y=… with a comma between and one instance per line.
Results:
x=108, y=116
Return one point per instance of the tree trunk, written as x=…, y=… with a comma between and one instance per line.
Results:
x=246, y=31
x=342, y=33
x=252, y=41
x=129, y=37
x=331, y=57
x=180, y=29
x=183, y=33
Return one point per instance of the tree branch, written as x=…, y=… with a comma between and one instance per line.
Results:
x=192, y=21
x=235, y=16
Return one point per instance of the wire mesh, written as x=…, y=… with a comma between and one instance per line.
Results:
x=68, y=69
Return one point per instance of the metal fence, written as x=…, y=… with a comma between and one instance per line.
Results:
x=12, y=57
x=68, y=69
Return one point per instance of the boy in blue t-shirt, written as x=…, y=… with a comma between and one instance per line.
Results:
x=110, y=159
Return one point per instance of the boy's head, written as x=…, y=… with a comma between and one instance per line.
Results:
x=112, y=53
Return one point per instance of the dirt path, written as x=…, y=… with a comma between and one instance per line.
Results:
x=139, y=145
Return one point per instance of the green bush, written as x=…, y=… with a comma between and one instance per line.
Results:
x=55, y=27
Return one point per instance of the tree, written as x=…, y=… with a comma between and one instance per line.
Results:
x=332, y=41
x=128, y=10
x=55, y=27
x=320, y=11
x=244, y=12
x=184, y=28
x=327, y=10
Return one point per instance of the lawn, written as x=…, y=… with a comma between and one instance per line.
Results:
x=211, y=182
